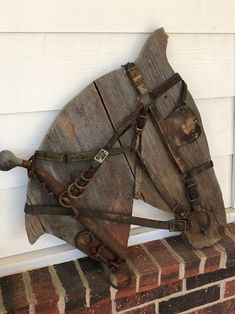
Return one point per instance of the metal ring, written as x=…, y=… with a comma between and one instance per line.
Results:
x=81, y=187
x=72, y=194
x=197, y=216
x=87, y=235
x=64, y=201
x=113, y=270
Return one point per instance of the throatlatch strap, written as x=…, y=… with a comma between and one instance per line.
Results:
x=171, y=225
x=76, y=157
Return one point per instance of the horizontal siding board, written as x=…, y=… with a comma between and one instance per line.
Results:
x=223, y=168
x=195, y=16
x=233, y=183
x=13, y=235
x=22, y=133
x=218, y=121
x=44, y=71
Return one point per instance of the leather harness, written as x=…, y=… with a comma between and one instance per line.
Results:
x=97, y=245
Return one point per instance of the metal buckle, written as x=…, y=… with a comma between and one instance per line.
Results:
x=101, y=156
x=192, y=192
x=177, y=225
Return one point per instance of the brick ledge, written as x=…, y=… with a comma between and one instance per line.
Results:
x=166, y=274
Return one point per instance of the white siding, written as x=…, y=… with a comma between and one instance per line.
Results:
x=133, y=16
x=50, y=50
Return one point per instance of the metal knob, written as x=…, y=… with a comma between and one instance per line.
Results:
x=9, y=161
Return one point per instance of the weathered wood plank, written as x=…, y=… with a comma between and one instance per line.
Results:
x=83, y=126
x=120, y=100
x=155, y=69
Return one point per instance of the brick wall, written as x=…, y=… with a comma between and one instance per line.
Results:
x=168, y=277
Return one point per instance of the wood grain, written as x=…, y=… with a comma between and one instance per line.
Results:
x=83, y=126
x=155, y=69
x=217, y=116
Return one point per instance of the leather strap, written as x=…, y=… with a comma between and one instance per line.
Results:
x=188, y=174
x=172, y=225
x=173, y=80
x=77, y=189
x=76, y=157
x=197, y=170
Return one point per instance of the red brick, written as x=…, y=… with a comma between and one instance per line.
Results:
x=142, y=262
x=229, y=288
x=70, y=279
x=213, y=257
x=44, y=291
x=102, y=307
x=149, y=309
x=227, y=307
x=169, y=265
x=191, y=260
x=229, y=246
x=13, y=293
x=97, y=280
x=190, y=300
x=204, y=279
x=131, y=289
x=147, y=296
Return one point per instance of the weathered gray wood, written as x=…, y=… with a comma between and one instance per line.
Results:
x=155, y=69
x=119, y=98
x=91, y=118
x=83, y=125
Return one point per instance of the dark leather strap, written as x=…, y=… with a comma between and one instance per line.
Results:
x=77, y=189
x=158, y=91
x=188, y=174
x=197, y=170
x=76, y=157
x=172, y=225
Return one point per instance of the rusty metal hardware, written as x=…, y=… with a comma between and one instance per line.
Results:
x=101, y=155
x=178, y=225
x=116, y=267
x=58, y=189
x=98, y=251
x=119, y=269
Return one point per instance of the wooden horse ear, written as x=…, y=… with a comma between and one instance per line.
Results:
x=154, y=52
x=157, y=39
